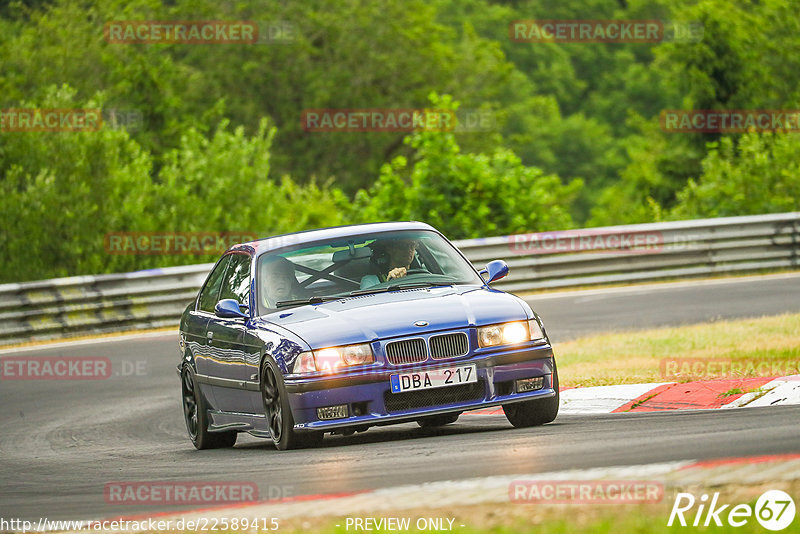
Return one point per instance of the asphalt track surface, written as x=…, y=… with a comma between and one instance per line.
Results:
x=63, y=441
x=572, y=314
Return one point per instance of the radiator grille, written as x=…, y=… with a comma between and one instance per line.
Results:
x=406, y=351
x=449, y=345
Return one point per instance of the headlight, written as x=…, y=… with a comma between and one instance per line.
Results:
x=331, y=359
x=509, y=333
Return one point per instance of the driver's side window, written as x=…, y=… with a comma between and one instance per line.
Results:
x=209, y=296
x=236, y=283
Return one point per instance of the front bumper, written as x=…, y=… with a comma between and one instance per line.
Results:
x=370, y=400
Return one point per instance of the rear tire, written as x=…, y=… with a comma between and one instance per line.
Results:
x=279, y=413
x=534, y=412
x=434, y=421
x=195, y=414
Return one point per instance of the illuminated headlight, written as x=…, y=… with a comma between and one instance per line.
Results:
x=509, y=333
x=331, y=359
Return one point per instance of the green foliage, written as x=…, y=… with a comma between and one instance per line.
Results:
x=466, y=195
x=222, y=148
x=386, y=55
x=759, y=175
x=748, y=58
x=223, y=184
x=62, y=191
x=643, y=185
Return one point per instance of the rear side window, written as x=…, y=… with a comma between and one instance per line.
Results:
x=236, y=283
x=209, y=296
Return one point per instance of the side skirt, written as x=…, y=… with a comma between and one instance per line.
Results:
x=242, y=422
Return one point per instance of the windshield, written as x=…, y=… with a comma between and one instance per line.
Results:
x=358, y=264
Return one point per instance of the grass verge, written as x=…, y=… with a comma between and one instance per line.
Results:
x=509, y=518
x=636, y=357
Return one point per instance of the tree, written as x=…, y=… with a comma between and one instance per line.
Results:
x=466, y=195
x=759, y=174
x=61, y=192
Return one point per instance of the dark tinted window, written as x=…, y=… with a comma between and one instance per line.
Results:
x=210, y=294
x=237, y=280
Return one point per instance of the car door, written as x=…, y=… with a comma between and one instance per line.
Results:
x=196, y=328
x=226, y=339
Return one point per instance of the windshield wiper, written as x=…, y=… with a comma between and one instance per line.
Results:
x=310, y=300
x=398, y=287
x=328, y=298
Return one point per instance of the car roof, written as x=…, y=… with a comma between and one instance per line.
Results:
x=266, y=244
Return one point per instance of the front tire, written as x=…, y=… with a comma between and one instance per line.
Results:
x=279, y=413
x=195, y=415
x=534, y=412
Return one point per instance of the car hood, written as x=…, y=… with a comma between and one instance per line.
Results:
x=385, y=315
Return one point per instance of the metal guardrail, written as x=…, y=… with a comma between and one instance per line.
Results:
x=156, y=298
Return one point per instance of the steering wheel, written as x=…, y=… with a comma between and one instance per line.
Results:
x=416, y=271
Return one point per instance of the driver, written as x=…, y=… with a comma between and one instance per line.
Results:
x=277, y=281
x=400, y=253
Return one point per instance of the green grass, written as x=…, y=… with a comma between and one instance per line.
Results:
x=635, y=357
x=546, y=519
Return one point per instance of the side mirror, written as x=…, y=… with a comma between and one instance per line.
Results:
x=229, y=309
x=495, y=270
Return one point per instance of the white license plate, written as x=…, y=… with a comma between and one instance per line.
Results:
x=435, y=378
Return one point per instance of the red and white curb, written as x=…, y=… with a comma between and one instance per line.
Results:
x=701, y=395
x=784, y=390
x=670, y=476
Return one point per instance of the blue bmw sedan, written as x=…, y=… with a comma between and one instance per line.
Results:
x=340, y=329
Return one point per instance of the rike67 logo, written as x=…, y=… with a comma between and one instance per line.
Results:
x=774, y=510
